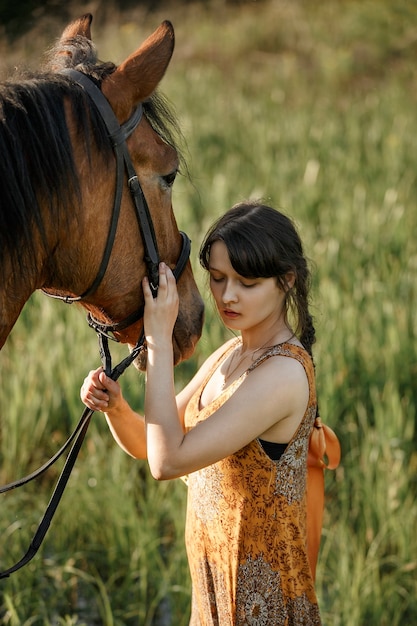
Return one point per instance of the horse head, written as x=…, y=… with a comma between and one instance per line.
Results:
x=67, y=237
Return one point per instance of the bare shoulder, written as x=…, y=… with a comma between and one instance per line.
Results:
x=280, y=370
x=269, y=402
x=280, y=384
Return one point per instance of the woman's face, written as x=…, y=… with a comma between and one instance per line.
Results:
x=243, y=303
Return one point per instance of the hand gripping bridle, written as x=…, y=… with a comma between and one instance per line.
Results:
x=118, y=135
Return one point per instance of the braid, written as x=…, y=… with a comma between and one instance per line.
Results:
x=298, y=300
x=305, y=319
x=308, y=335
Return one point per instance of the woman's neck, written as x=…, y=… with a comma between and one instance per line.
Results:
x=253, y=341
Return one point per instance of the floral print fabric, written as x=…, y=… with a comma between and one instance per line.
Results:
x=245, y=532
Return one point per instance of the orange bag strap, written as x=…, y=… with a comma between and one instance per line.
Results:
x=323, y=453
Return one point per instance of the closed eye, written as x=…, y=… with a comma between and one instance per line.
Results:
x=170, y=178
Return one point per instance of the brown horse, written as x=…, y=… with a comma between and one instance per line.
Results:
x=58, y=183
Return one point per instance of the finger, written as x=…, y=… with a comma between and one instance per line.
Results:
x=162, y=270
x=163, y=275
x=97, y=403
x=104, y=381
x=89, y=387
x=89, y=397
x=146, y=288
x=169, y=273
x=109, y=387
x=171, y=280
x=93, y=389
x=93, y=379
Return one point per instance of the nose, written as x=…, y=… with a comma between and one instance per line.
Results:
x=229, y=293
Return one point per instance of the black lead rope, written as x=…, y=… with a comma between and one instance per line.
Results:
x=77, y=438
x=56, y=496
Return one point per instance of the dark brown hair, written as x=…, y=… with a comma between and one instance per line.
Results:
x=264, y=243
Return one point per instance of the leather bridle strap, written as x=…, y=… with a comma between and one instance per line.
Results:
x=118, y=135
x=107, y=329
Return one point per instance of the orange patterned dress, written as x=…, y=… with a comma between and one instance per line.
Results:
x=245, y=531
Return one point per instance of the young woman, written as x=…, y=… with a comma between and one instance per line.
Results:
x=240, y=429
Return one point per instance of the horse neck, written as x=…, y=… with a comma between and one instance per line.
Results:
x=16, y=287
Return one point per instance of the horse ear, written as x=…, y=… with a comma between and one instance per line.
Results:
x=138, y=76
x=81, y=27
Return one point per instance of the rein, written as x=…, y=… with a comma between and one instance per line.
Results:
x=118, y=135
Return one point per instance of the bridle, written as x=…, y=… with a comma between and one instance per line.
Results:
x=118, y=135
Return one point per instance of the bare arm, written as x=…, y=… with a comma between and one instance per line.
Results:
x=101, y=393
x=277, y=394
x=164, y=428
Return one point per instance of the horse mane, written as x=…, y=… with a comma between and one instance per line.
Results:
x=37, y=166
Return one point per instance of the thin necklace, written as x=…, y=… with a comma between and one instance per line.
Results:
x=230, y=372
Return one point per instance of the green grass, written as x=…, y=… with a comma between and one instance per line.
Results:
x=310, y=105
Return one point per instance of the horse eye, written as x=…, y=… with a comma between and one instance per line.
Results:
x=170, y=178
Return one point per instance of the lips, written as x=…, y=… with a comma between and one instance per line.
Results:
x=230, y=314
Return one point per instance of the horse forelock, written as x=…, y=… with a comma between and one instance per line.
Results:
x=161, y=116
x=77, y=53
x=80, y=53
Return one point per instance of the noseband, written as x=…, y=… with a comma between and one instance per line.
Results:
x=118, y=135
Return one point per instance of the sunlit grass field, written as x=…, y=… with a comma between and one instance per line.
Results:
x=311, y=106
